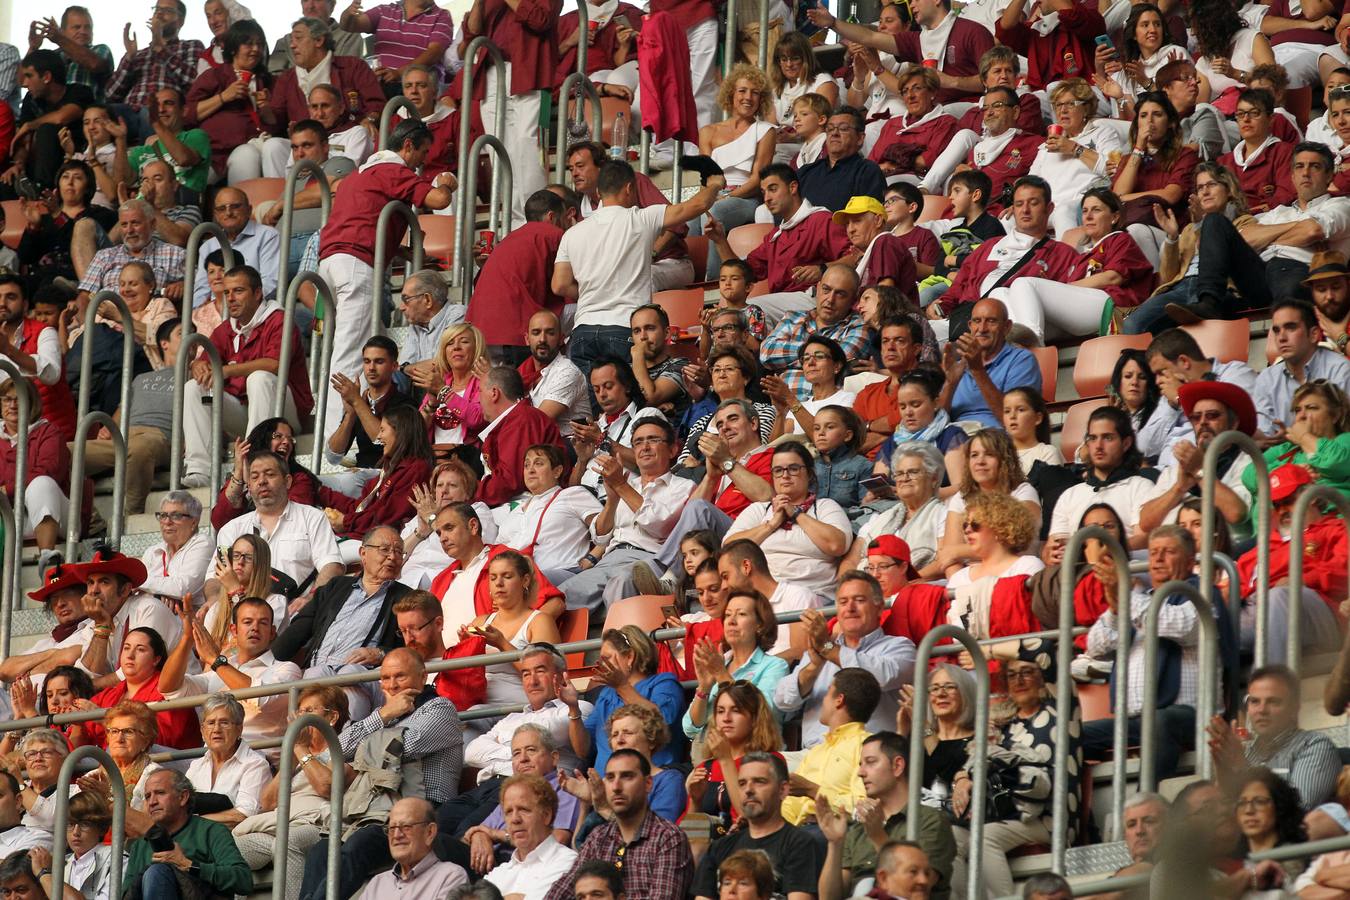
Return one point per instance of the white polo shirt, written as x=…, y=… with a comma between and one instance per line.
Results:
x=241, y=778
x=534, y=876
x=264, y=717
x=302, y=542
x=611, y=258
x=556, y=523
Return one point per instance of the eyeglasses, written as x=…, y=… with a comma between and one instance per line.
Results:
x=408, y=298
x=402, y=827
x=1003, y=104
x=839, y=129
x=1208, y=415
x=1342, y=90
x=816, y=357
x=121, y=732
x=793, y=470
x=39, y=754
x=229, y=207
x=173, y=517
x=971, y=526
x=908, y=474
x=415, y=630
x=647, y=442
x=240, y=556
x=1254, y=803
x=394, y=550
x=1248, y=114
x=725, y=370
x=945, y=688
x=1067, y=105
x=719, y=329
x=880, y=567
x=1022, y=675
x=86, y=827
x=891, y=201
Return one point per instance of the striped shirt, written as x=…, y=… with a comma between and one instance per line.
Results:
x=779, y=352
x=1177, y=622
x=432, y=733
x=400, y=40
x=1306, y=759
x=78, y=74
x=104, y=269
x=147, y=70
x=9, y=75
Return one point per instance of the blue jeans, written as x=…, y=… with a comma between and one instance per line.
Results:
x=1150, y=317
x=160, y=882
x=589, y=343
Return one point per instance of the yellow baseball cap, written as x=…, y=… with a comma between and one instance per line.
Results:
x=857, y=206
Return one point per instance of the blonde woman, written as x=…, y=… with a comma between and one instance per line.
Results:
x=1075, y=155
x=246, y=571
x=453, y=412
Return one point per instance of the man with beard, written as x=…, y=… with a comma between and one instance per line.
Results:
x=557, y=387
x=1212, y=407
x=136, y=218
x=516, y=281
x=1329, y=283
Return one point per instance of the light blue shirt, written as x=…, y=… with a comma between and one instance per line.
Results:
x=1275, y=384
x=258, y=246
x=1177, y=427
x=1012, y=367
x=761, y=670
x=354, y=623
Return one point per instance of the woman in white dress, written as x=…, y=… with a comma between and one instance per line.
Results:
x=511, y=625
x=1126, y=72
x=553, y=525
x=1075, y=160
x=992, y=467
x=824, y=366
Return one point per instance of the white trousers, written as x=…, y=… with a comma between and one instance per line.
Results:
x=520, y=135
x=777, y=306
x=1300, y=61
x=235, y=418
x=672, y=274
x=941, y=169
x=703, y=66
x=43, y=499
x=1039, y=303
x=258, y=159
x=353, y=286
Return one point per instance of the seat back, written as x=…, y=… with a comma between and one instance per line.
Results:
x=644, y=611
x=259, y=190
x=1097, y=360
x=744, y=238
x=438, y=238
x=1048, y=358
x=572, y=626
x=685, y=307
x=698, y=254
x=12, y=223
x=1075, y=426
x=1227, y=340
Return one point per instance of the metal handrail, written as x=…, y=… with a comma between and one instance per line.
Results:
x=1059, y=832
x=409, y=215
x=119, y=814
x=1206, y=698
x=87, y=353
x=315, y=171
x=499, y=202
x=1234, y=669
x=7, y=596
x=325, y=292
x=77, y=467
x=462, y=206
x=217, y=393
x=1312, y=494
x=1208, y=512
x=583, y=37
x=597, y=118
x=325, y=372
x=729, y=40
x=980, y=764
x=387, y=116
x=14, y=560
x=285, y=775
x=185, y=317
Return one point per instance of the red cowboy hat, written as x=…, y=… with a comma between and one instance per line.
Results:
x=56, y=579
x=1230, y=395
x=894, y=547
x=110, y=562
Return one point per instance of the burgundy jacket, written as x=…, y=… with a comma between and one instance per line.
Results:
x=504, y=448
x=386, y=501
x=348, y=74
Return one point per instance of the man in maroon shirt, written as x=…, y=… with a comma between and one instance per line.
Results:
x=796, y=255
x=515, y=280
x=1055, y=49
x=524, y=30
x=513, y=427
x=1000, y=67
x=249, y=343
x=671, y=267
x=346, y=251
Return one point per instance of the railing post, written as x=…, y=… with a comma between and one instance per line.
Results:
x=315, y=171
x=763, y=53
x=975, y=886
x=500, y=200
x=115, y=527
x=325, y=292
x=1312, y=494
x=285, y=775
x=463, y=206
x=1233, y=671
x=392, y=208
x=119, y=814
x=1206, y=695
x=1208, y=512
x=325, y=371
x=8, y=600
x=583, y=38
x=387, y=116
x=1064, y=681
x=597, y=118
x=217, y=393
x=14, y=573
x=729, y=41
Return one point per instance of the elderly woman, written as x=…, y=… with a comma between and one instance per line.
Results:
x=750, y=631
x=1076, y=158
x=424, y=558
x=734, y=373
x=177, y=563
x=41, y=754
x=802, y=536
x=948, y=729
x=220, y=15
x=917, y=468
x=628, y=669
x=89, y=860
x=277, y=435
x=230, y=104
x=909, y=144
x=451, y=409
x=988, y=600
x=131, y=729
x=232, y=771
x=310, y=789
x=991, y=466
x=1318, y=439
x=553, y=524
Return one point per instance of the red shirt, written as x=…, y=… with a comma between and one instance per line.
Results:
x=929, y=137
x=817, y=240
x=1267, y=181
x=515, y=284
x=1029, y=118
x=890, y=258
x=264, y=342
x=601, y=44
x=58, y=404
x=1053, y=260
x=384, y=501
x=356, y=210
x=1153, y=177
x=504, y=448
x=922, y=244
x=528, y=40
x=695, y=632
x=1066, y=52
x=1307, y=35
x=687, y=13
x=730, y=499
x=178, y=728
x=233, y=124
x=966, y=43
x=1117, y=252
x=482, y=599
x=348, y=74
x=1011, y=164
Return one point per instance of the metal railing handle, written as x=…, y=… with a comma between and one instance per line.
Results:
x=1208, y=513
x=1206, y=699
x=14, y=561
x=583, y=37
x=499, y=203
x=77, y=467
x=87, y=354
x=8, y=603
x=462, y=206
x=217, y=394
x=1064, y=690
x=185, y=316
x=313, y=170
x=325, y=371
x=731, y=36
x=285, y=776
x=387, y=116
x=979, y=780
x=1234, y=669
x=119, y=814
x=597, y=118
x=409, y=215
x=325, y=293
x=1316, y=493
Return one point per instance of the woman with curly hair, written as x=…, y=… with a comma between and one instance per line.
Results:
x=741, y=144
x=1228, y=50
x=991, y=466
x=989, y=599
x=1269, y=815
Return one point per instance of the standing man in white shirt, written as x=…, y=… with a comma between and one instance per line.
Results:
x=557, y=387
x=605, y=262
x=530, y=805
x=640, y=511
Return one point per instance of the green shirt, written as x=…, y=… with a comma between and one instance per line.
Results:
x=935, y=837
x=209, y=845
x=193, y=178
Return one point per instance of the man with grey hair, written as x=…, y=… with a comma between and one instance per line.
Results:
x=417, y=872
x=136, y=218
x=1144, y=821
x=1047, y=886
x=178, y=562
x=424, y=302
x=342, y=42
x=253, y=243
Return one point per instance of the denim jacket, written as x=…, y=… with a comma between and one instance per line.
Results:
x=839, y=476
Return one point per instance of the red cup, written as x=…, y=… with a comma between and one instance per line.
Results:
x=1055, y=130
x=930, y=64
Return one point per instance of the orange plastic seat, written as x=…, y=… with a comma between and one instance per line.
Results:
x=259, y=190
x=573, y=626
x=697, y=245
x=933, y=207
x=644, y=611
x=1097, y=360
x=1075, y=426
x=684, y=306
x=1226, y=340
x=1048, y=357
x=744, y=238
x=438, y=238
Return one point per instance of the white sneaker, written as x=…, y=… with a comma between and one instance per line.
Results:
x=196, y=480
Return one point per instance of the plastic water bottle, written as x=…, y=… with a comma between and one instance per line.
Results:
x=618, y=138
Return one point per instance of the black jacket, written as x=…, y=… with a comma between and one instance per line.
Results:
x=305, y=634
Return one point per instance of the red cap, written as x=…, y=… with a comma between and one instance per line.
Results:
x=896, y=549
x=1286, y=480
x=1230, y=395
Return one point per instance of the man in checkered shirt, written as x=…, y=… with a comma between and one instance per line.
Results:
x=167, y=62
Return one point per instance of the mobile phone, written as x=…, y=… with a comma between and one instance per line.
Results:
x=670, y=611
x=1104, y=40
x=581, y=420
x=220, y=555
x=877, y=484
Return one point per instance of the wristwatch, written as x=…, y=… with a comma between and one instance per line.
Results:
x=728, y=465
x=219, y=661
x=827, y=648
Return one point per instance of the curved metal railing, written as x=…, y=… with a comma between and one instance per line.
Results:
x=1317, y=493
x=14, y=560
x=313, y=170
x=77, y=467
x=1208, y=513
x=499, y=205
x=7, y=596
x=597, y=118
x=285, y=774
x=387, y=116
x=325, y=292
x=87, y=353
x=462, y=206
x=180, y=364
x=409, y=215
x=119, y=813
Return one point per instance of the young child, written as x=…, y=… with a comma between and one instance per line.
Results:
x=695, y=547
x=706, y=623
x=810, y=112
x=1027, y=422
x=970, y=225
x=1321, y=129
x=734, y=280
x=51, y=307
x=1272, y=77
x=904, y=203
x=838, y=434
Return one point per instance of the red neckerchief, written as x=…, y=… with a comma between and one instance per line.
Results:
x=61, y=632
x=530, y=373
x=801, y=507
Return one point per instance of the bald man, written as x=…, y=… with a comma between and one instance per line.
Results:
x=557, y=387
x=981, y=365
x=257, y=245
x=833, y=317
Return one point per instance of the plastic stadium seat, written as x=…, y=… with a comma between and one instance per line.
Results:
x=684, y=307
x=744, y=238
x=1048, y=357
x=259, y=190
x=572, y=626
x=933, y=206
x=759, y=289
x=1094, y=701
x=438, y=238
x=1227, y=340
x=12, y=222
x=698, y=254
x=1097, y=360
x=644, y=611
x=1075, y=426
x=609, y=108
